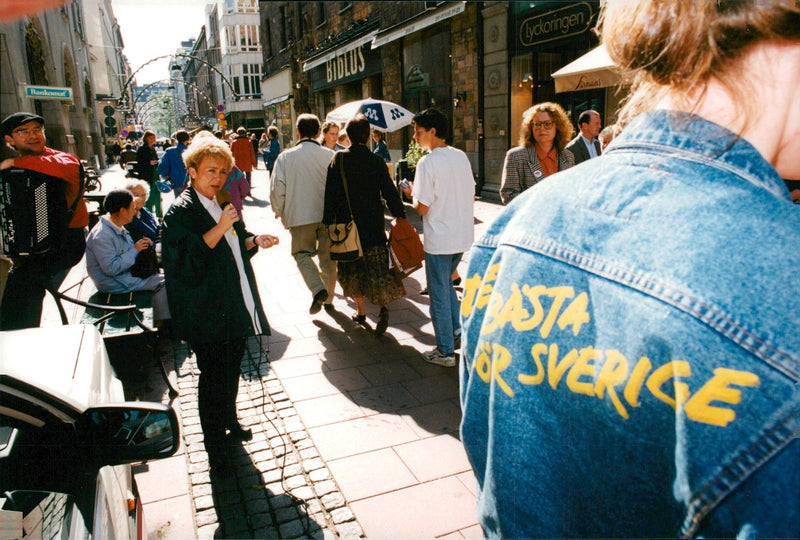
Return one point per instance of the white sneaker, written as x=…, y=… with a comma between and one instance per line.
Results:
x=435, y=357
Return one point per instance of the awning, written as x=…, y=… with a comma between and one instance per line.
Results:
x=279, y=99
x=415, y=24
x=277, y=87
x=319, y=60
x=592, y=70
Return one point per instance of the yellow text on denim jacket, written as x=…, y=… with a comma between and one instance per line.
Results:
x=622, y=381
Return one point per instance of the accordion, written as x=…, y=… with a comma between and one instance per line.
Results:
x=33, y=212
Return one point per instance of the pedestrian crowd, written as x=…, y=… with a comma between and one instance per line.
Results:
x=628, y=364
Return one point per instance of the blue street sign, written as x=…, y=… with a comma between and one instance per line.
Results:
x=48, y=92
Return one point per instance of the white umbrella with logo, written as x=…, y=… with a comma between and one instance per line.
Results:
x=382, y=115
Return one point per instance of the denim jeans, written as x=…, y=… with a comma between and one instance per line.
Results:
x=444, y=302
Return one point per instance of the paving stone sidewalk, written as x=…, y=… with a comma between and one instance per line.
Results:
x=278, y=487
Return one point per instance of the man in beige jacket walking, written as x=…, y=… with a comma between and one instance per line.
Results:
x=297, y=196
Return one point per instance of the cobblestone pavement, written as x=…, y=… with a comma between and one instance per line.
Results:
x=278, y=487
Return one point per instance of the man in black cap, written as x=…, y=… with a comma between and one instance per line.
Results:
x=31, y=275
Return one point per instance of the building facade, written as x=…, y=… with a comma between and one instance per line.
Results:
x=198, y=78
x=108, y=66
x=318, y=55
x=233, y=28
x=64, y=64
x=481, y=63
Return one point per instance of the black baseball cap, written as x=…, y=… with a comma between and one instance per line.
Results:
x=13, y=121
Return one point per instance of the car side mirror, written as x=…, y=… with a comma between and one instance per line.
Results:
x=128, y=432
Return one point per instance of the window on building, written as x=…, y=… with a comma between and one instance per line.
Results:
x=289, y=21
x=234, y=73
x=213, y=29
x=268, y=39
x=282, y=26
x=230, y=39
x=305, y=21
x=247, y=6
x=77, y=20
x=248, y=37
x=241, y=6
x=246, y=79
x=322, y=17
x=251, y=75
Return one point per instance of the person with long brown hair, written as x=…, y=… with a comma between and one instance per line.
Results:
x=543, y=137
x=630, y=353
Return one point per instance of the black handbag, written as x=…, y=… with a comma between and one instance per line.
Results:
x=146, y=263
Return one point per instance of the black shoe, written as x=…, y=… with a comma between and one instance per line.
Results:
x=424, y=291
x=329, y=308
x=457, y=282
x=217, y=458
x=360, y=319
x=383, y=322
x=316, y=304
x=238, y=433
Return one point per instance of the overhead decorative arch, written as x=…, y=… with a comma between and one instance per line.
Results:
x=178, y=55
x=150, y=103
x=187, y=83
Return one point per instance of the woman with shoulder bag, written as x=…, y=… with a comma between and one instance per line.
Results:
x=357, y=180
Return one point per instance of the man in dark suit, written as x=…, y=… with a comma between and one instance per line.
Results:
x=585, y=145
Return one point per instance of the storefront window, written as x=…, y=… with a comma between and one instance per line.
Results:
x=427, y=68
x=544, y=38
x=280, y=115
x=522, y=87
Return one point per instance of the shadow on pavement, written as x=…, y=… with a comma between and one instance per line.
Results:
x=248, y=506
x=398, y=381
x=274, y=345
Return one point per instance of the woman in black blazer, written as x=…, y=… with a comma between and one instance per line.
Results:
x=212, y=289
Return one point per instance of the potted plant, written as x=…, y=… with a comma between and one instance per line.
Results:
x=407, y=166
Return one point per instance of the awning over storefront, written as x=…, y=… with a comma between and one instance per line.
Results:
x=276, y=88
x=592, y=70
x=311, y=63
x=278, y=99
x=415, y=24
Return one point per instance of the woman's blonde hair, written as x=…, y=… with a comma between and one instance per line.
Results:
x=564, y=129
x=677, y=47
x=204, y=145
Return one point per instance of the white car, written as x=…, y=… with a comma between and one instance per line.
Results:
x=67, y=437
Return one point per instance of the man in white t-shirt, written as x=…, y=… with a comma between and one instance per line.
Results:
x=443, y=193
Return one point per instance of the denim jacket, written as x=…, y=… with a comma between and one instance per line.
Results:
x=631, y=352
x=110, y=254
